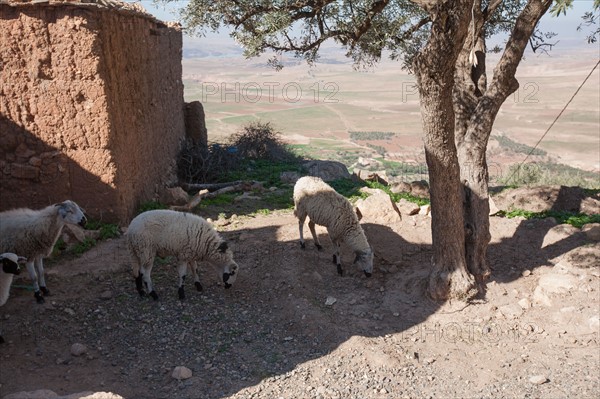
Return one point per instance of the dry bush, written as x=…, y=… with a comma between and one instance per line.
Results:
x=199, y=164
x=215, y=163
x=259, y=140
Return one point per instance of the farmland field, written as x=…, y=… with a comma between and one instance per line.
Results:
x=332, y=99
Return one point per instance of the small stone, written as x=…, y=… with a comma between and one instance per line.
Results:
x=512, y=311
x=106, y=295
x=70, y=311
x=557, y=283
x=594, y=322
x=539, y=296
x=181, y=373
x=330, y=301
x=592, y=231
x=525, y=303
x=78, y=349
x=526, y=273
x=538, y=379
x=493, y=208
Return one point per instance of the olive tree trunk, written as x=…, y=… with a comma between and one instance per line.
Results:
x=458, y=111
x=476, y=107
x=434, y=68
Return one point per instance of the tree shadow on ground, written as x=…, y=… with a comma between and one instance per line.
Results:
x=274, y=319
x=537, y=242
x=277, y=318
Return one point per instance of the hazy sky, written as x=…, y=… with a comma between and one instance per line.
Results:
x=565, y=25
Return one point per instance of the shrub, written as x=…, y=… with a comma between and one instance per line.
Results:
x=259, y=140
x=221, y=162
x=199, y=164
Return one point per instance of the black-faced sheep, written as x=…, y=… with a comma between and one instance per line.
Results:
x=324, y=206
x=9, y=263
x=33, y=233
x=187, y=236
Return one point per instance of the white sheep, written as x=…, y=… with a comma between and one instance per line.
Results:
x=33, y=233
x=324, y=206
x=171, y=233
x=10, y=267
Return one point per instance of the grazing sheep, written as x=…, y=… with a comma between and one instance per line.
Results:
x=33, y=233
x=324, y=206
x=10, y=267
x=184, y=235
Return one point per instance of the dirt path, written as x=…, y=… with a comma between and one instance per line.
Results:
x=273, y=335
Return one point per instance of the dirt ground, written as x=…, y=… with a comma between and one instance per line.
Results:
x=292, y=328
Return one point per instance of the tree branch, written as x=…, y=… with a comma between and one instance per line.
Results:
x=489, y=10
x=504, y=82
x=410, y=31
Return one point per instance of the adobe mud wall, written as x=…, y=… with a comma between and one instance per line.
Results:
x=91, y=107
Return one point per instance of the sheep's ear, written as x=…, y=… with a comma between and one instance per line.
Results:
x=358, y=213
x=62, y=210
x=223, y=247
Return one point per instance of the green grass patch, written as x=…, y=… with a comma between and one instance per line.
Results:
x=83, y=247
x=107, y=230
x=221, y=200
x=351, y=190
x=562, y=217
x=280, y=199
x=377, y=148
x=397, y=196
x=263, y=170
x=395, y=168
x=150, y=206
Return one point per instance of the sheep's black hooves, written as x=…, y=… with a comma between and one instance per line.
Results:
x=181, y=293
x=45, y=291
x=227, y=286
x=367, y=274
x=339, y=270
x=142, y=293
x=302, y=245
x=154, y=295
x=1, y=339
x=198, y=286
x=319, y=246
x=39, y=297
x=139, y=285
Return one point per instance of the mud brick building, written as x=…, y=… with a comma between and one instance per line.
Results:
x=91, y=105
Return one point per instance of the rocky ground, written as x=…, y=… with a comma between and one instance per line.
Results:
x=292, y=328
